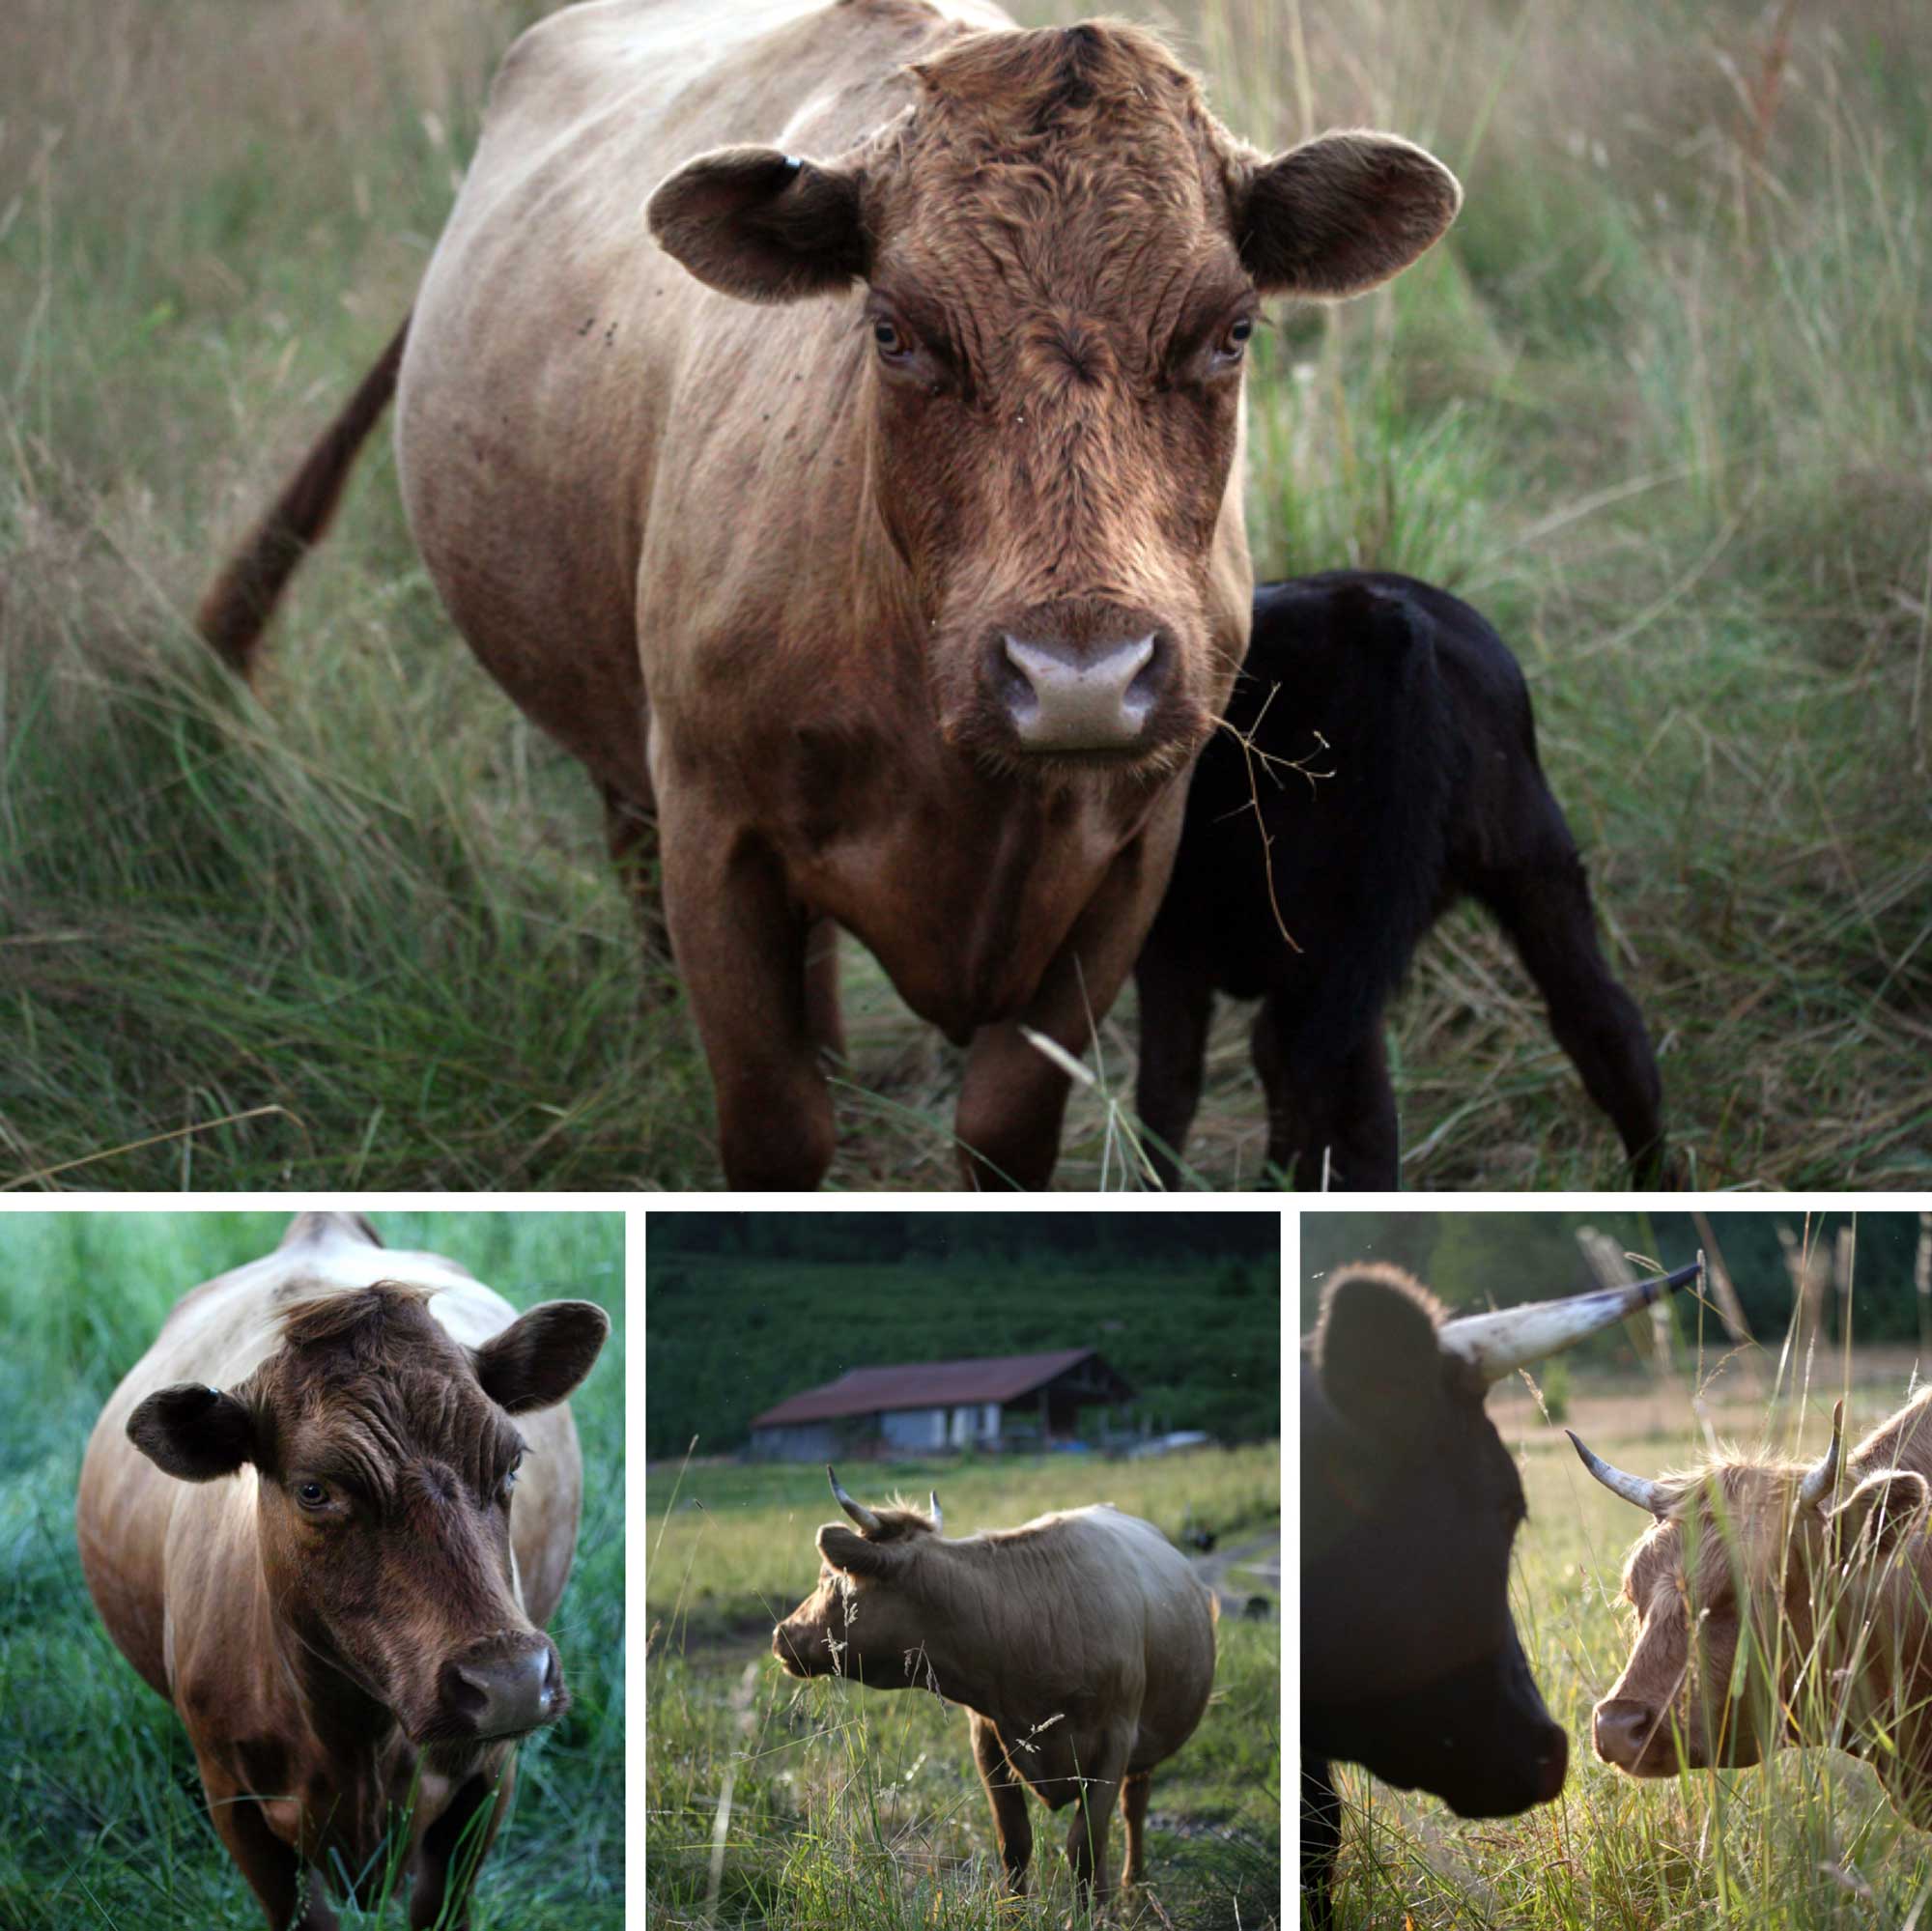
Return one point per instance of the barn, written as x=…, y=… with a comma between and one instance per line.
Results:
x=917, y=1408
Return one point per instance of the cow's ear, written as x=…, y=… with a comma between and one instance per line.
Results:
x=762, y=225
x=542, y=1355
x=1377, y=1353
x=853, y=1553
x=193, y=1432
x=1884, y=1511
x=1339, y=213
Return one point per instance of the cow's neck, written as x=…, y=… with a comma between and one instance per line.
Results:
x=348, y=1722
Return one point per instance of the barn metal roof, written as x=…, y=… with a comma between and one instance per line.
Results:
x=928, y=1384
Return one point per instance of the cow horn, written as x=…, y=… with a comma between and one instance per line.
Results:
x=1632, y=1488
x=1815, y=1490
x=937, y=1520
x=858, y=1511
x=1513, y=1337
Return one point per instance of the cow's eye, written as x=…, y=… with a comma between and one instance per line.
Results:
x=510, y=1477
x=312, y=1495
x=894, y=343
x=1234, y=342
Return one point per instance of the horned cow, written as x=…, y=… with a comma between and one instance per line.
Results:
x=296, y=1519
x=1081, y=1645
x=1410, y=1663
x=1807, y=1588
x=868, y=522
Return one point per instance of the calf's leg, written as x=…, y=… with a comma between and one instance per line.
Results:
x=1337, y=1117
x=1543, y=904
x=1176, y=1000
x=741, y=947
x=1006, y=1794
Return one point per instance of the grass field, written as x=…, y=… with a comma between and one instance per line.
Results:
x=1659, y=405
x=817, y=1806
x=102, y=1815
x=1805, y=1841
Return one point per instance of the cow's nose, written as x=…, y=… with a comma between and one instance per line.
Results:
x=506, y=1696
x=1071, y=697
x=1621, y=1730
x=1551, y=1765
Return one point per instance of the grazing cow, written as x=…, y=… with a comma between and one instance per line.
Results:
x=296, y=1521
x=1393, y=772
x=1411, y=1664
x=1809, y=1589
x=825, y=421
x=1081, y=1645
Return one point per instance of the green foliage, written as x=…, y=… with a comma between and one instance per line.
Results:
x=731, y=1336
x=102, y=1816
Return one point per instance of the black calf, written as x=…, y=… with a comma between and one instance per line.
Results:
x=1436, y=794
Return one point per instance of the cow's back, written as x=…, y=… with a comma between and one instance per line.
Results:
x=145, y=1536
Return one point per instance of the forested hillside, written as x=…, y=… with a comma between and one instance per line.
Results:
x=745, y=1309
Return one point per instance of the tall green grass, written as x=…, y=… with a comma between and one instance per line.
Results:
x=1659, y=405
x=808, y=1806
x=103, y=1820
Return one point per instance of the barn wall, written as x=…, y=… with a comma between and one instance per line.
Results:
x=915, y=1429
x=803, y=1441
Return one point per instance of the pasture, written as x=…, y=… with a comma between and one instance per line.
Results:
x=102, y=1821
x=1660, y=406
x=1805, y=1841
x=784, y=1805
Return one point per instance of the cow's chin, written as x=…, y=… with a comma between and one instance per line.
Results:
x=1164, y=748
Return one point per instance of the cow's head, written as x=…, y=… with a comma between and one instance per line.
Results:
x=386, y=1455
x=865, y=1619
x=1418, y=1664
x=1746, y=1567
x=1063, y=256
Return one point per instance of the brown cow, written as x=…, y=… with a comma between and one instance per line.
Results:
x=1081, y=1645
x=1809, y=1590
x=296, y=1522
x=868, y=519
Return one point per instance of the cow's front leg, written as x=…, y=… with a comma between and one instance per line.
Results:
x=741, y=948
x=1006, y=1793
x=1101, y=1777
x=1015, y=1097
x=453, y=1848
x=291, y=1898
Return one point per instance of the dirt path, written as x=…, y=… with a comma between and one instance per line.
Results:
x=1256, y=1557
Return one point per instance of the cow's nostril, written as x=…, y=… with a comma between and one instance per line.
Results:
x=506, y=1696
x=1066, y=696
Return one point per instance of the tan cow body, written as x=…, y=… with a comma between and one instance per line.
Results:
x=1081, y=1645
x=302, y=1757
x=825, y=420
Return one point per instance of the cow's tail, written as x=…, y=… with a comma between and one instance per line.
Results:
x=240, y=601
